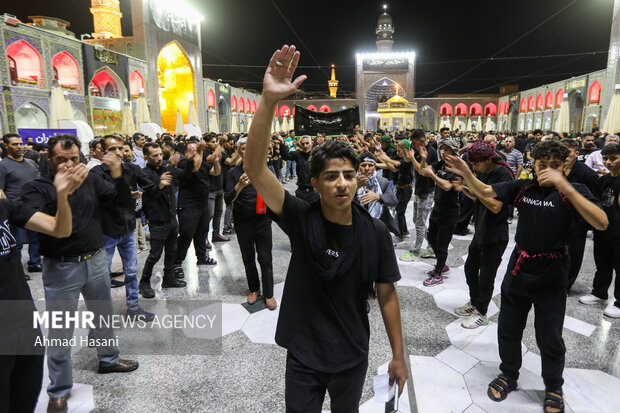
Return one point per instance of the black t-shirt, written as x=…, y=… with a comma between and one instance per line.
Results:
x=446, y=202
x=324, y=323
x=86, y=203
x=425, y=185
x=193, y=186
x=13, y=284
x=610, y=186
x=405, y=172
x=583, y=174
x=545, y=218
x=216, y=182
x=492, y=228
x=585, y=154
x=391, y=153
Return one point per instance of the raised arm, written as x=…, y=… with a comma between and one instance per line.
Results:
x=66, y=180
x=478, y=188
x=277, y=84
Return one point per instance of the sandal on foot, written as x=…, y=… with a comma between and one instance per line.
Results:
x=503, y=385
x=554, y=400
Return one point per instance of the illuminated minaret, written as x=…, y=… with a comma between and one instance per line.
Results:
x=333, y=83
x=107, y=18
x=385, y=32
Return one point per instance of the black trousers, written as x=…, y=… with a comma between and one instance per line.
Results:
x=307, y=195
x=305, y=388
x=254, y=237
x=480, y=270
x=21, y=378
x=404, y=196
x=163, y=235
x=607, y=259
x=576, y=246
x=193, y=225
x=519, y=293
x=465, y=213
x=389, y=221
x=440, y=230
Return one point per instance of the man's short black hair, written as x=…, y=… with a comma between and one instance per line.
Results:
x=146, y=149
x=7, y=137
x=611, y=149
x=537, y=132
x=588, y=134
x=550, y=149
x=331, y=150
x=128, y=143
x=571, y=144
x=418, y=134
x=66, y=142
x=137, y=136
x=169, y=144
x=93, y=144
x=442, y=130
x=104, y=144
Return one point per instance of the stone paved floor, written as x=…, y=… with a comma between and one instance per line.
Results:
x=450, y=366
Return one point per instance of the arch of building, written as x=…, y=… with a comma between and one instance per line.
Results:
x=490, y=109
x=284, y=111
x=549, y=100
x=530, y=103
x=241, y=106
x=500, y=108
x=67, y=71
x=106, y=83
x=25, y=64
x=445, y=110
x=426, y=117
x=233, y=103
x=594, y=93
x=523, y=105
x=136, y=84
x=312, y=107
x=475, y=109
x=253, y=106
x=539, y=102
x=223, y=114
x=247, y=105
x=325, y=108
x=211, y=98
x=31, y=116
x=559, y=97
x=460, y=110
x=176, y=84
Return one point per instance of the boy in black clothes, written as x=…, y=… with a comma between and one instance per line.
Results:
x=538, y=268
x=446, y=209
x=607, y=242
x=338, y=252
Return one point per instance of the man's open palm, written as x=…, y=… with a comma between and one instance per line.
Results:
x=278, y=82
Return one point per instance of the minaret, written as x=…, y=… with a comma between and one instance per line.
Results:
x=107, y=18
x=385, y=31
x=333, y=83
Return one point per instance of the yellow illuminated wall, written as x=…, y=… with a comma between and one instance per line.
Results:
x=176, y=84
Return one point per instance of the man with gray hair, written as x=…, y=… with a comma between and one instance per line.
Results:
x=595, y=160
x=305, y=190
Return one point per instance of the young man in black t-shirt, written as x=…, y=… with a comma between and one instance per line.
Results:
x=490, y=236
x=607, y=243
x=338, y=252
x=538, y=268
x=446, y=209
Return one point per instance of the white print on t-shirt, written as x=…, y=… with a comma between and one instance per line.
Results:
x=332, y=253
x=7, y=241
x=537, y=202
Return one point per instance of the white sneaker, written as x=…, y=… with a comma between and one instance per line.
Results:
x=590, y=299
x=465, y=310
x=612, y=311
x=475, y=320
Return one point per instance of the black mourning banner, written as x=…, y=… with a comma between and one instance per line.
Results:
x=309, y=122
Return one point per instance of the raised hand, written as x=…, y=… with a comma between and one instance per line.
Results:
x=165, y=179
x=244, y=180
x=456, y=165
x=69, y=178
x=552, y=177
x=174, y=159
x=369, y=197
x=278, y=83
x=423, y=152
x=114, y=163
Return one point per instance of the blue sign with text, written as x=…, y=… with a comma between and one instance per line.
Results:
x=42, y=135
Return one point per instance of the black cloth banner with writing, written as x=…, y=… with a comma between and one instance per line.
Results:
x=309, y=122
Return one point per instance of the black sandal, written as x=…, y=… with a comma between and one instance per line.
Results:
x=554, y=400
x=503, y=385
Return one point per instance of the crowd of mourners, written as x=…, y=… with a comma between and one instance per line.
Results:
x=178, y=189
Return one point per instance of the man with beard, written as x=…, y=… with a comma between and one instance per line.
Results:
x=15, y=172
x=588, y=147
x=77, y=264
x=304, y=190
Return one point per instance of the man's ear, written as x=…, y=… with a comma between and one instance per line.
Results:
x=315, y=183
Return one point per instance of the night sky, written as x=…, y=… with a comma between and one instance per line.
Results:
x=449, y=38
